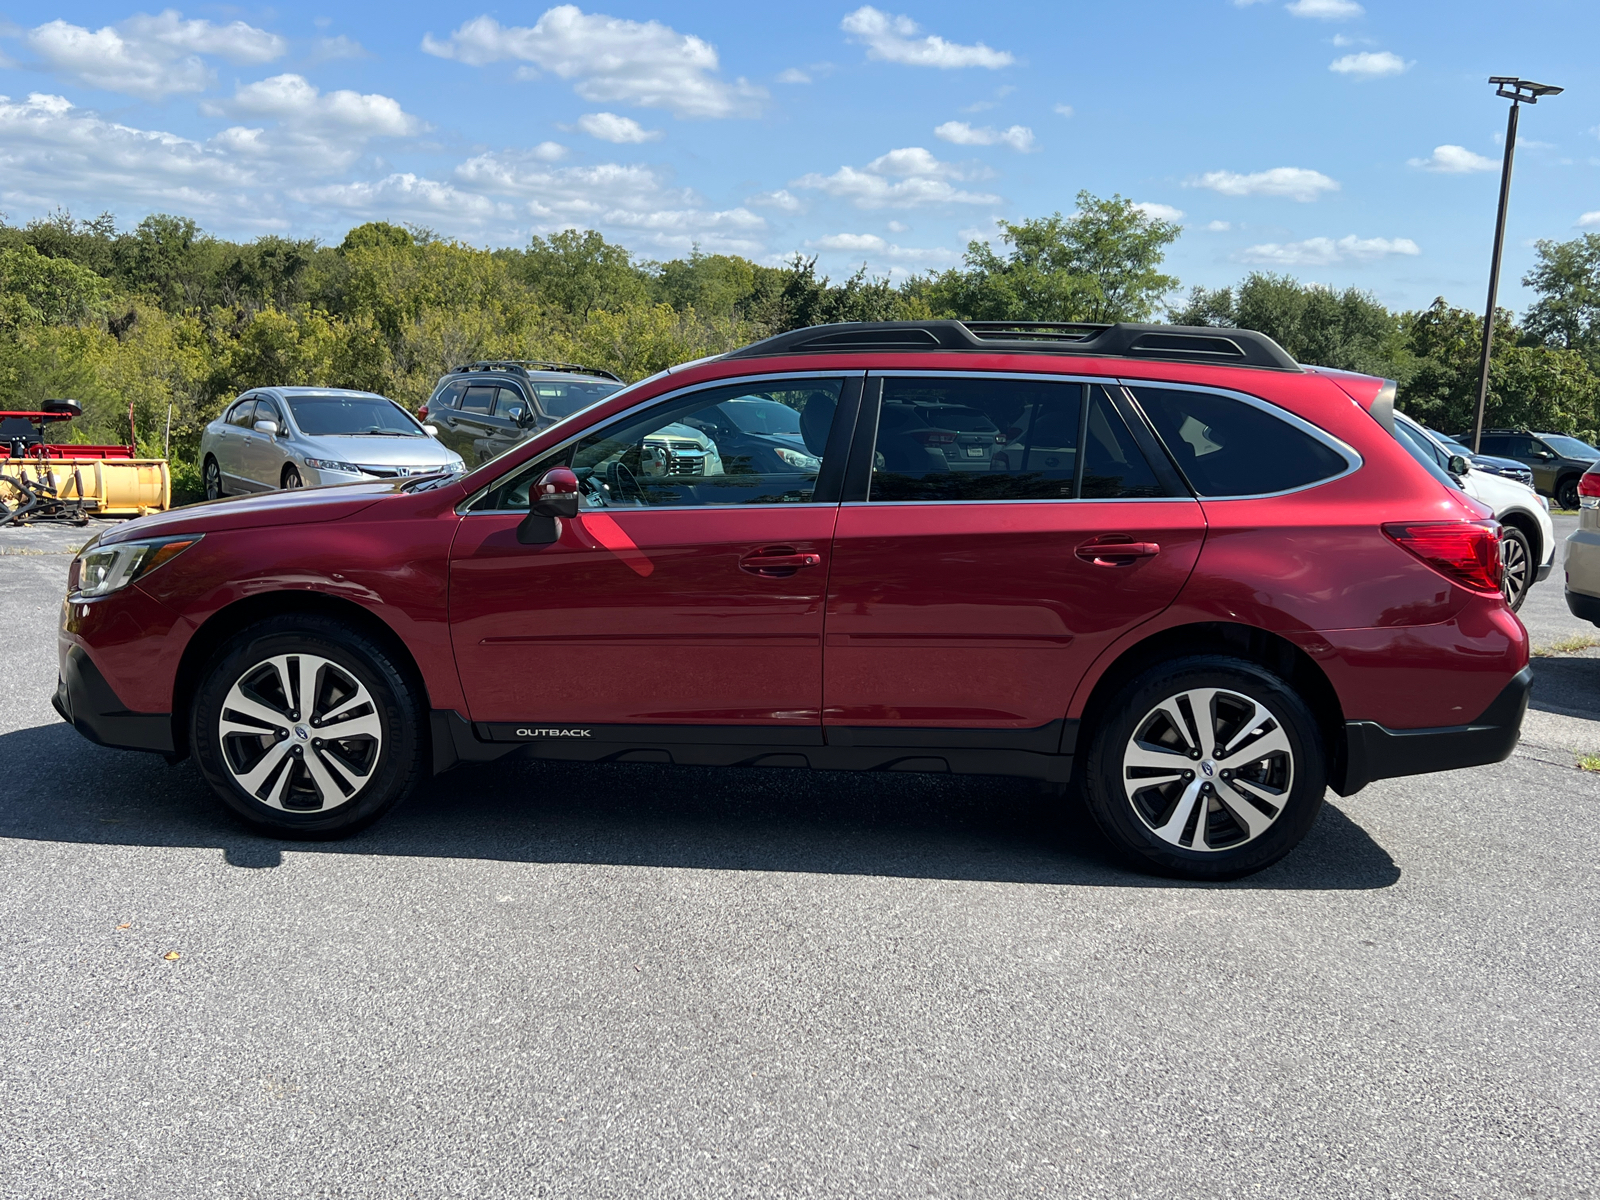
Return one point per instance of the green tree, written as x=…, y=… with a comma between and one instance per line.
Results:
x=579, y=273
x=1567, y=280
x=1102, y=263
x=35, y=290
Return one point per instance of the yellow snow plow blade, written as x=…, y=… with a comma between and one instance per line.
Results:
x=109, y=487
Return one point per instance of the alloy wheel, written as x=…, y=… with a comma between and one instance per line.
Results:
x=300, y=733
x=213, y=480
x=1515, y=569
x=291, y=479
x=1208, y=769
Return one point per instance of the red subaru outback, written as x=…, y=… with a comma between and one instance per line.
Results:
x=1171, y=565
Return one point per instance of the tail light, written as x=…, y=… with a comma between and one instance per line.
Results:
x=1464, y=552
x=1589, y=491
x=422, y=413
x=936, y=438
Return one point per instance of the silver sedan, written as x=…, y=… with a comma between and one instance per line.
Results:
x=291, y=437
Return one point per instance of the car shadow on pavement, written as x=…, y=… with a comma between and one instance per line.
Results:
x=893, y=824
x=1570, y=686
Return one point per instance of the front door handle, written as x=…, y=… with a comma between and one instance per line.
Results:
x=1107, y=553
x=777, y=562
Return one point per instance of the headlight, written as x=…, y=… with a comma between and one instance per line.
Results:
x=101, y=570
x=800, y=462
x=328, y=464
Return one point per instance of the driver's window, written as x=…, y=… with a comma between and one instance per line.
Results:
x=746, y=444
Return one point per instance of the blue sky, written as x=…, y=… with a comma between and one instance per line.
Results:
x=1343, y=142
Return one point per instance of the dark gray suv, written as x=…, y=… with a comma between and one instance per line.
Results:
x=484, y=408
x=1557, y=460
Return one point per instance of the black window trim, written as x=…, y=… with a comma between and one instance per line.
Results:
x=1353, y=461
x=845, y=423
x=858, y=472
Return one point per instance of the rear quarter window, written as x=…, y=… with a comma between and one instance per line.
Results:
x=1226, y=447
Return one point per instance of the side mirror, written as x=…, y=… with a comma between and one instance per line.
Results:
x=431, y=430
x=1545, y=454
x=1459, y=465
x=517, y=414
x=270, y=428
x=554, y=495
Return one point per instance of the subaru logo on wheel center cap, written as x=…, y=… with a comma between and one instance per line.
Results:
x=304, y=734
x=1205, y=766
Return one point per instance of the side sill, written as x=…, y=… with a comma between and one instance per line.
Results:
x=1373, y=751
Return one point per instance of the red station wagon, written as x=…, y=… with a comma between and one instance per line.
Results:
x=1171, y=565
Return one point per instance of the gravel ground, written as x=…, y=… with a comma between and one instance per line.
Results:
x=559, y=981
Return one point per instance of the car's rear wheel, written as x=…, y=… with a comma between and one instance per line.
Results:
x=291, y=478
x=211, y=476
x=1567, y=493
x=1516, y=559
x=1207, y=767
x=307, y=728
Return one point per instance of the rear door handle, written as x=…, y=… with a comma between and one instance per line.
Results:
x=777, y=562
x=1116, y=554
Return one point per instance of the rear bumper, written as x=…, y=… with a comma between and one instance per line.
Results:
x=1586, y=607
x=1375, y=752
x=86, y=702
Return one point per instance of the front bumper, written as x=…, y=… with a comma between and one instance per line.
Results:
x=87, y=702
x=1373, y=751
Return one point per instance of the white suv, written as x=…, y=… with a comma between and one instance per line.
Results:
x=1527, y=538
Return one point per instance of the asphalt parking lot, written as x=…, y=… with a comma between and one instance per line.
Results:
x=556, y=981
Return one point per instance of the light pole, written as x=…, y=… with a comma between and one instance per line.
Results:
x=1519, y=92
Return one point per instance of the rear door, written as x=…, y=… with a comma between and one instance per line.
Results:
x=972, y=592
x=673, y=599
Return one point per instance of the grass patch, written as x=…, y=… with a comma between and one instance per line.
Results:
x=1562, y=512
x=1572, y=644
x=1589, y=762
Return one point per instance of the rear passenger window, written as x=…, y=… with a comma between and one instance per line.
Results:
x=478, y=400
x=1225, y=447
x=982, y=438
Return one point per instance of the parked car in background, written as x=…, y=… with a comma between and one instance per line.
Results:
x=752, y=433
x=1240, y=592
x=1557, y=460
x=484, y=408
x=293, y=437
x=1583, y=551
x=1527, y=536
x=1489, y=464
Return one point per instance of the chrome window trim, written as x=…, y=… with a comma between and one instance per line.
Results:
x=463, y=509
x=1353, y=461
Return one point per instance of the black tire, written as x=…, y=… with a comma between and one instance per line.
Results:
x=1567, y=493
x=211, y=475
x=384, y=774
x=1516, y=559
x=1131, y=823
x=291, y=478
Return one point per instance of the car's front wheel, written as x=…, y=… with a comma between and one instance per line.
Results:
x=1208, y=767
x=307, y=728
x=291, y=478
x=1516, y=562
x=211, y=475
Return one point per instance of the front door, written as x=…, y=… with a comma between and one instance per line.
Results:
x=263, y=456
x=683, y=594
x=973, y=592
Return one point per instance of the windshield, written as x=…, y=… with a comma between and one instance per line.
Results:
x=762, y=416
x=335, y=416
x=1422, y=448
x=1450, y=444
x=1571, y=447
x=561, y=398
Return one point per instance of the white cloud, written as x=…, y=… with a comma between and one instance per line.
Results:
x=1324, y=252
x=297, y=102
x=782, y=199
x=898, y=227
x=609, y=127
x=1326, y=10
x=1018, y=137
x=1064, y=110
x=1454, y=160
x=1161, y=212
x=793, y=75
x=850, y=241
x=1370, y=65
x=327, y=49
x=405, y=196
x=1589, y=219
x=1218, y=226
x=150, y=57
x=923, y=179
x=1297, y=183
x=633, y=62
x=894, y=39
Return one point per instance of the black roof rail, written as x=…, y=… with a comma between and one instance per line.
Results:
x=1159, y=343
x=525, y=365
